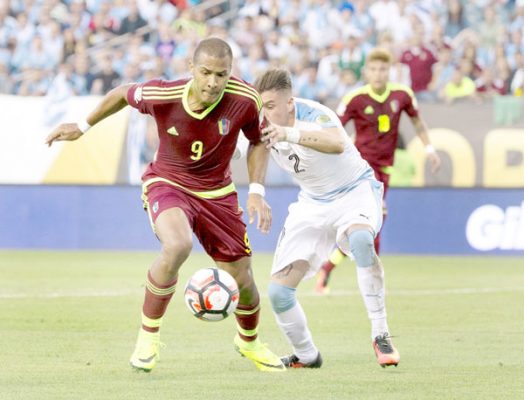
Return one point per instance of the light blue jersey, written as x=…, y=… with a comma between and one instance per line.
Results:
x=322, y=177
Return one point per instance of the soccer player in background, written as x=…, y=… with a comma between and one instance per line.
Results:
x=376, y=109
x=340, y=201
x=188, y=187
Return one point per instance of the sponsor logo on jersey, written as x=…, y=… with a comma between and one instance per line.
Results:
x=369, y=110
x=172, y=131
x=138, y=94
x=394, y=106
x=490, y=227
x=223, y=126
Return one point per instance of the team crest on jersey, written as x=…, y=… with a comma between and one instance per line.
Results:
x=223, y=126
x=394, y=106
x=369, y=110
x=155, y=207
x=322, y=119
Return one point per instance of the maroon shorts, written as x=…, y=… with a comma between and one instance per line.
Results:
x=217, y=223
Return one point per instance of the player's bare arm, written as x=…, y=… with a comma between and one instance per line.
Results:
x=422, y=132
x=327, y=140
x=112, y=102
x=257, y=159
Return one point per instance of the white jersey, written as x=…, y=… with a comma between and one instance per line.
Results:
x=322, y=177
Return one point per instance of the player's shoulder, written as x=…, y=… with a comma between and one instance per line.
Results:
x=313, y=111
x=355, y=94
x=399, y=87
x=242, y=91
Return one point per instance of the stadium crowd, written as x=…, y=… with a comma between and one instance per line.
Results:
x=444, y=50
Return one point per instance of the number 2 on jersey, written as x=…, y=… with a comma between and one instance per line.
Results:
x=297, y=163
x=197, y=147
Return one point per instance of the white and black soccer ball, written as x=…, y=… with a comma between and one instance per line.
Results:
x=211, y=294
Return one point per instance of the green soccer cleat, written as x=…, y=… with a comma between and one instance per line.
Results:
x=257, y=352
x=147, y=351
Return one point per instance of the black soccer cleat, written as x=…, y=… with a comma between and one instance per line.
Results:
x=292, y=361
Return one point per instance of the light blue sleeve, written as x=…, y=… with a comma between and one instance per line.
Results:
x=315, y=114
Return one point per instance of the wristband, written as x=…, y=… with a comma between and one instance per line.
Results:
x=257, y=188
x=292, y=135
x=83, y=126
x=430, y=149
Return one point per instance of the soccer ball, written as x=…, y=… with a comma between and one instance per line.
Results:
x=211, y=294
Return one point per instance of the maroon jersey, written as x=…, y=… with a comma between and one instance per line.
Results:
x=195, y=148
x=420, y=63
x=377, y=119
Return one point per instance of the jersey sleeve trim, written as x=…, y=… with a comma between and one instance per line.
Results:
x=351, y=95
x=240, y=88
x=162, y=93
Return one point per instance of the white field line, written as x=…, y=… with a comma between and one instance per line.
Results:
x=303, y=293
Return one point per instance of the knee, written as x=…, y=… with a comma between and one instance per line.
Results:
x=282, y=297
x=176, y=251
x=362, y=247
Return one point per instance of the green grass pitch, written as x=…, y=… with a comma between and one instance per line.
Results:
x=68, y=323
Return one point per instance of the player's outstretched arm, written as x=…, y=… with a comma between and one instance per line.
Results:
x=325, y=140
x=257, y=159
x=112, y=102
x=422, y=132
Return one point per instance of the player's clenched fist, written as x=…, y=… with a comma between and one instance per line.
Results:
x=64, y=132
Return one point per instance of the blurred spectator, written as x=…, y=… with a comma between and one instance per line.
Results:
x=385, y=14
x=132, y=21
x=69, y=44
x=35, y=83
x=442, y=72
x=5, y=82
x=460, y=87
x=352, y=56
x=489, y=30
x=489, y=85
x=398, y=72
x=81, y=79
x=514, y=46
x=455, y=19
x=469, y=56
x=322, y=42
x=165, y=45
x=309, y=87
x=517, y=78
x=420, y=61
x=319, y=24
x=106, y=79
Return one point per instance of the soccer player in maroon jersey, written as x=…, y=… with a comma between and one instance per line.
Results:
x=376, y=109
x=188, y=187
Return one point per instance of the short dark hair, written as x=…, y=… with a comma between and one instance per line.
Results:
x=214, y=47
x=273, y=79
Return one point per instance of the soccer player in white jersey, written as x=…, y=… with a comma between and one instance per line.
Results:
x=339, y=201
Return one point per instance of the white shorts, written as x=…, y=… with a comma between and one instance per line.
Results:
x=312, y=228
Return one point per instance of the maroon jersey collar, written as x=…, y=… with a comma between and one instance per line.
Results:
x=185, y=102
